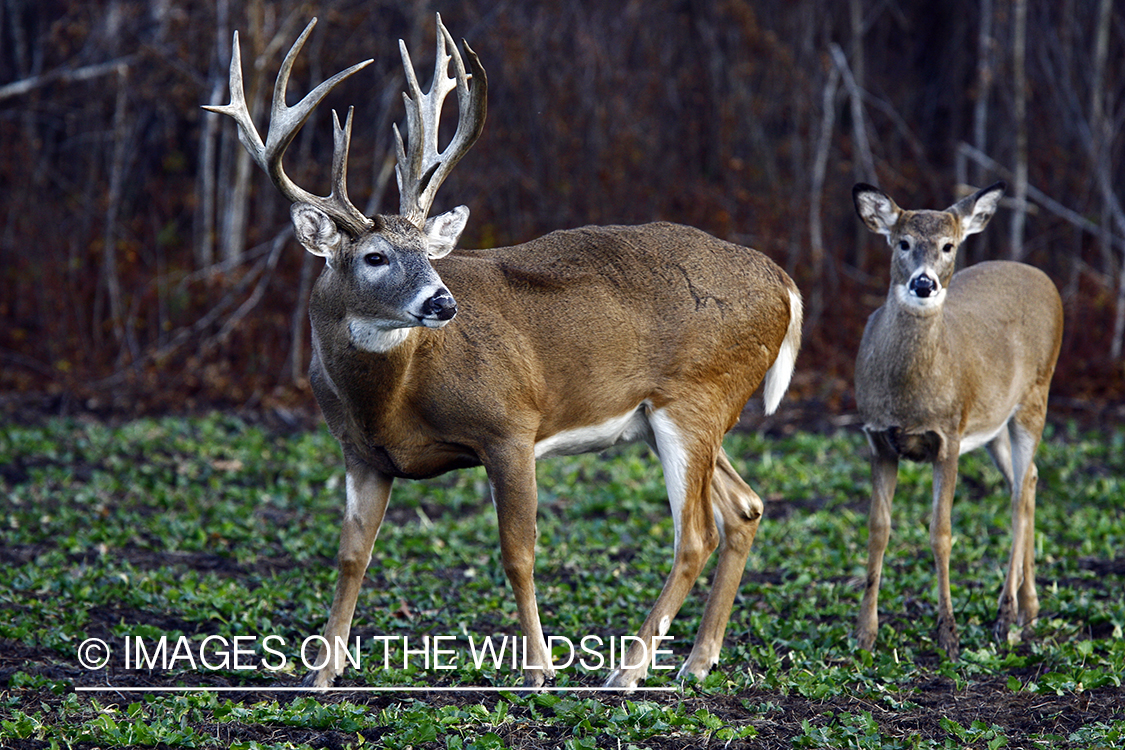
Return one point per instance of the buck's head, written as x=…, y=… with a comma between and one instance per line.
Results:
x=924, y=243
x=382, y=279
x=377, y=270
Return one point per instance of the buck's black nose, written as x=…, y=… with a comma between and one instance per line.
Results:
x=923, y=285
x=441, y=306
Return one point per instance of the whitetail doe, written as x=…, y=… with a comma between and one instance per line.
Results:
x=949, y=363
x=427, y=359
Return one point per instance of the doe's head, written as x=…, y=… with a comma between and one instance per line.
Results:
x=924, y=242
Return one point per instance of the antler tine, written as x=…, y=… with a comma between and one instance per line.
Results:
x=285, y=123
x=237, y=109
x=341, y=143
x=421, y=172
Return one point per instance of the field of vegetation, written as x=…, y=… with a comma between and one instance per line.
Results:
x=216, y=538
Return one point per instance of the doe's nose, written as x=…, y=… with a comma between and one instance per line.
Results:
x=441, y=306
x=923, y=285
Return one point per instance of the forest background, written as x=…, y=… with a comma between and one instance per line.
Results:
x=147, y=265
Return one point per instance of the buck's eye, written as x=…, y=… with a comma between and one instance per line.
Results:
x=948, y=247
x=904, y=245
x=375, y=259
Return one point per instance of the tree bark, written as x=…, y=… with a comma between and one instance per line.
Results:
x=1019, y=84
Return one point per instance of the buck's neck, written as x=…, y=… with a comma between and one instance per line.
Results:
x=369, y=381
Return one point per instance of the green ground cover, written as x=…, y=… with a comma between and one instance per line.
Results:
x=213, y=530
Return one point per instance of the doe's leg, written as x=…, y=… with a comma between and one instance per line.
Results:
x=884, y=478
x=941, y=542
x=1019, y=603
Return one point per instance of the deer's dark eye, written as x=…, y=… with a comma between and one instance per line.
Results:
x=904, y=245
x=948, y=247
x=375, y=259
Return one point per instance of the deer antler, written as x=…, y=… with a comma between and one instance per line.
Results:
x=420, y=175
x=284, y=124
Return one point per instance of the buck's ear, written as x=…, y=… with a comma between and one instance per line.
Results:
x=976, y=210
x=443, y=231
x=876, y=208
x=318, y=233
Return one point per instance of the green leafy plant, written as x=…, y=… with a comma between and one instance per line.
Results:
x=209, y=528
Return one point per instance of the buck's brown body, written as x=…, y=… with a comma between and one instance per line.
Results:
x=427, y=360
x=651, y=314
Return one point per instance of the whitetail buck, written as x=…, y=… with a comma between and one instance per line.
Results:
x=569, y=343
x=949, y=363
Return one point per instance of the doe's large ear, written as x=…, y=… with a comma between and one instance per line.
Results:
x=976, y=210
x=443, y=231
x=876, y=208
x=315, y=230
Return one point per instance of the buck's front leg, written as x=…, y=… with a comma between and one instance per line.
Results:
x=511, y=472
x=367, y=494
x=884, y=478
x=941, y=541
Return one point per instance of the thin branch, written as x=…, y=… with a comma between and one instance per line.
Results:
x=255, y=297
x=820, y=167
x=1042, y=198
x=63, y=75
x=859, y=122
x=212, y=316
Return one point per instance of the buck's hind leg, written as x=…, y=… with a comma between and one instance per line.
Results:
x=689, y=462
x=738, y=510
x=367, y=495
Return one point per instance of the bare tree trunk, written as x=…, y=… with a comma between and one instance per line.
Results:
x=1101, y=132
x=1019, y=83
x=984, y=87
x=233, y=237
x=205, y=222
x=236, y=208
x=112, y=211
x=1100, y=126
x=859, y=74
x=820, y=167
x=985, y=75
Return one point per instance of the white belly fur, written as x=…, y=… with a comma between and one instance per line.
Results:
x=626, y=428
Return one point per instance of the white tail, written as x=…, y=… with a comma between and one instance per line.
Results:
x=949, y=363
x=781, y=371
x=427, y=359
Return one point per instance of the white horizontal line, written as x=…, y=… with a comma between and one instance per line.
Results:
x=404, y=689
